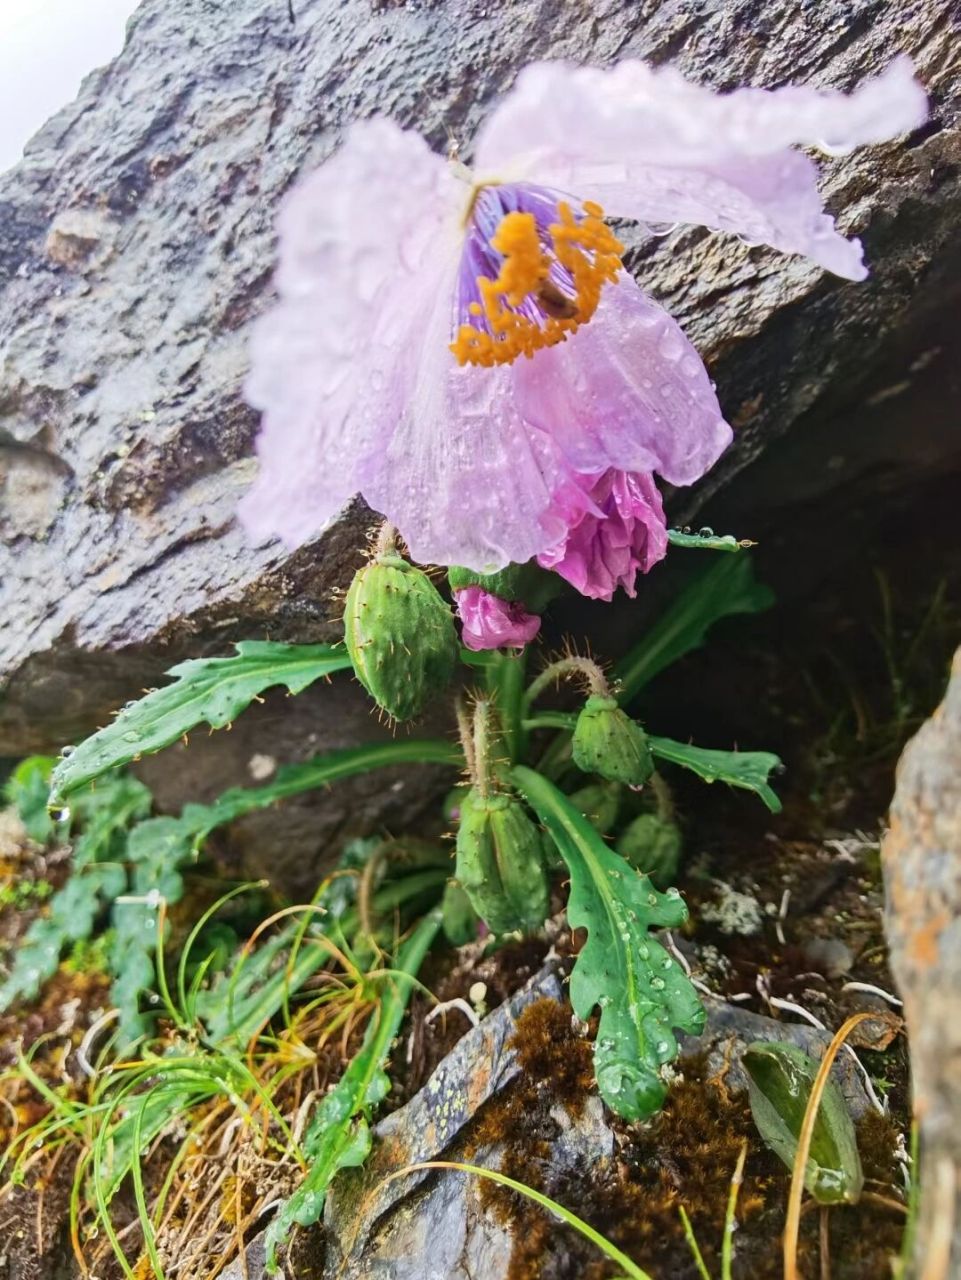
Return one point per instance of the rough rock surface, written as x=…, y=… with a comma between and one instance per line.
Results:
x=435, y=1225
x=922, y=868
x=136, y=244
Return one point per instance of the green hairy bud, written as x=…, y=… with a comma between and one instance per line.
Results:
x=400, y=635
x=500, y=862
x=653, y=845
x=600, y=803
x=608, y=742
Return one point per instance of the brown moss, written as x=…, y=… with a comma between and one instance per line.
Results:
x=684, y=1156
x=549, y=1052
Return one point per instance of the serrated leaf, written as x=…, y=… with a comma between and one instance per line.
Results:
x=206, y=690
x=747, y=769
x=338, y=1135
x=97, y=876
x=104, y=815
x=727, y=587
x=780, y=1078
x=641, y=991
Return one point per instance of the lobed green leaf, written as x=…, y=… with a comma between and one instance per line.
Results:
x=641, y=991
x=206, y=690
x=747, y=769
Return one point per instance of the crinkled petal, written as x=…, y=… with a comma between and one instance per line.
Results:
x=615, y=530
x=365, y=242
x=463, y=476
x=627, y=391
x=488, y=622
x=646, y=144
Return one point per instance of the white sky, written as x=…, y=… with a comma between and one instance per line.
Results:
x=46, y=48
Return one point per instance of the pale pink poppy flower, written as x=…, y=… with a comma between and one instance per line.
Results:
x=460, y=347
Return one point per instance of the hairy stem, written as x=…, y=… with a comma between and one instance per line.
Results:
x=465, y=730
x=483, y=733
x=587, y=669
x=387, y=539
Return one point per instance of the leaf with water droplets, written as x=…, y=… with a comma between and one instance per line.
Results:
x=780, y=1078
x=642, y=993
x=206, y=690
x=747, y=769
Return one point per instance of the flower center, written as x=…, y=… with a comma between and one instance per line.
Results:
x=531, y=272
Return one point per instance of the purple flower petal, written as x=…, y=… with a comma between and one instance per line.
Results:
x=628, y=391
x=616, y=529
x=488, y=622
x=367, y=242
x=649, y=145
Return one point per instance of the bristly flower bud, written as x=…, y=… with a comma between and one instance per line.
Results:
x=500, y=862
x=600, y=803
x=609, y=743
x=652, y=844
x=399, y=633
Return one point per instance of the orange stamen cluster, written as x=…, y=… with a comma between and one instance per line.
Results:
x=587, y=248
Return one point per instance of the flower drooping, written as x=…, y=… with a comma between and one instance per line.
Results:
x=464, y=348
x=615, y=530
x=488, y=622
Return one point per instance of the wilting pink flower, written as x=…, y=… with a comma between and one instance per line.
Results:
x=488, y=622
x=410, y=286
x=615, y=529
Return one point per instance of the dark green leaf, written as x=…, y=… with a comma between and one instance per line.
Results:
x=747, y=769
x=642, y=993
x=198, y=820
x=727, y=587
x=707, y=541
x=780, y=1078
x=339, y=1134
x=97, y=877
x=206, y=690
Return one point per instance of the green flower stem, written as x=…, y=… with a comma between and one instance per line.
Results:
x=662, y=797
x=506, y=682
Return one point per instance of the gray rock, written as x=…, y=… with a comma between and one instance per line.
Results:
x=430, y=1226
x=434, y=1225
x=136, y=244
x=921, y=857
x=730, y=1030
